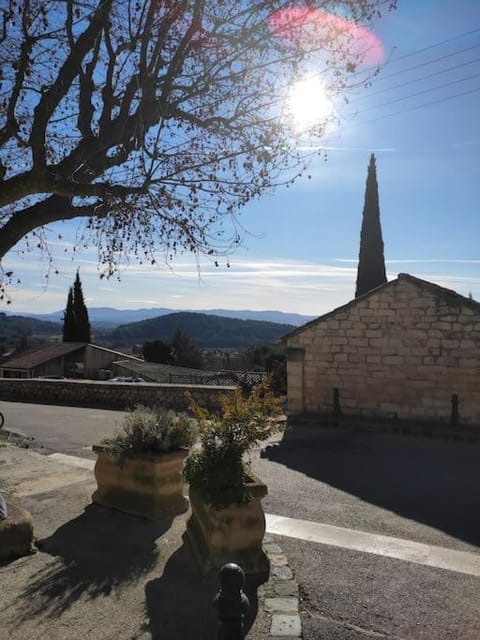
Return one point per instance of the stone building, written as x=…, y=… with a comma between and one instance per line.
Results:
x=403, y=349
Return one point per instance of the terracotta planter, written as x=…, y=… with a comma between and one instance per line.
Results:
x=144, y=485
x=231, y=534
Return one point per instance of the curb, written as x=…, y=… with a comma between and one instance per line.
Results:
x=281, y=595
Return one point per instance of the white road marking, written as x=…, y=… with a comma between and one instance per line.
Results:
x=73, y=461
x=408, y=550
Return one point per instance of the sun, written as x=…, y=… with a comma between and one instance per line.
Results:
x=309, y=104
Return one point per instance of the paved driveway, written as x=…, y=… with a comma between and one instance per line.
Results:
x=407, y=488
x=70, y=430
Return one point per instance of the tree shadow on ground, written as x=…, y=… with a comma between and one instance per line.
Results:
x=431, y=481
x=97, y=552
x=179, y=603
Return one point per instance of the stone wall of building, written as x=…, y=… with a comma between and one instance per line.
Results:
x=403, y=350
x=108, y=395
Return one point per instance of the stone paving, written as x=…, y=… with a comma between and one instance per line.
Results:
x=417, y=494
x=102, y=574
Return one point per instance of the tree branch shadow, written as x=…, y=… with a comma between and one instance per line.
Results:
x=98, y=552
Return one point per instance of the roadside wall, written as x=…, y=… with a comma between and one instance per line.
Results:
x=402, y=351
x=108, y=395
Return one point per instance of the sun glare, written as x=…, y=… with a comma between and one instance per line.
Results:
x=309, y=104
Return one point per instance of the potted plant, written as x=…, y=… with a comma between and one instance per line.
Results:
x=139, y=469
x=227, y=522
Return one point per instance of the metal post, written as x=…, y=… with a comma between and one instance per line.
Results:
x=3, y=508
x=455, y=414
x=337, y=411
x=231, y=602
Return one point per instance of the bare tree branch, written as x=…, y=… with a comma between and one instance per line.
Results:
x=156, y=121
x=51, y=210
x=70, y=69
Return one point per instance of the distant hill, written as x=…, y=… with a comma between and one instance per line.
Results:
x=17, y=326
x=280, y=317
x=204, y=330
x=108, y=316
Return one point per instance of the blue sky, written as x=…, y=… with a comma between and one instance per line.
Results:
x=300, y=248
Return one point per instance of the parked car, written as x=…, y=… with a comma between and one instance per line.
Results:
x=127, y=379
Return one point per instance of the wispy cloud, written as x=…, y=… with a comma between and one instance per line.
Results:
x=465, y=144
x=416, y=261
x=322, y=147
x=304, y=286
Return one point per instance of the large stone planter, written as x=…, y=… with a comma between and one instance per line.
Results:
x=231, y=534
x=16, y=534
x=144, y=485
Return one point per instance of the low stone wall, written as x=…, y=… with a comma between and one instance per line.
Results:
x=108, y=395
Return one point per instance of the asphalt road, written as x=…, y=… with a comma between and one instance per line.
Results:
x=406, y=487
x=70, y=430
x=425, y=490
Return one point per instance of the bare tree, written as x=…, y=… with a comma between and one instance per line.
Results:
x=155, y=120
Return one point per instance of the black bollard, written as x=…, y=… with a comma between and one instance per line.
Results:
x=455, y=413
x=231, y=603
x=337, y=411
x=3, y=508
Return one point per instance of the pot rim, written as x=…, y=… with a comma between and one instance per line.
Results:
x=103, y=449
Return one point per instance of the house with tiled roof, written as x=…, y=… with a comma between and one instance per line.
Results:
x=407, y=349
x=63, y=359
x=169, y=373
x=156, y=372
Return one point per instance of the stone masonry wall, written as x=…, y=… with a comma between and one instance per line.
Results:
x=108, y=395
x=404, y=350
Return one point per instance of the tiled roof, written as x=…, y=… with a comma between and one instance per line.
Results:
x=120, y=354
x=31, y=359
x=436, y=289
x=156, y=371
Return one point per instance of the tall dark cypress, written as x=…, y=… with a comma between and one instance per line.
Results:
x=69, y=319
x=76, y=325
x=82, y=323
x=371, y=262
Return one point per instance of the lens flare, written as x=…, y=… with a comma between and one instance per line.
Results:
x=304, y=26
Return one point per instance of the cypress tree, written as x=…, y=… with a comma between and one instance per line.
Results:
x=76, y=325
x=82, y=323
x=69, y=319
x=371, y=262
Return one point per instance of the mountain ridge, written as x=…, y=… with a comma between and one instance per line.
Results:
x=206, y=331
x=115, y=317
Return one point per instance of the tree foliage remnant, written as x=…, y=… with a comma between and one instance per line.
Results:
x=76, y=324
x=179, y=351
x=157, y=351
x=371, y=263
x=153, y=120
x=184, y=352
x=271, y=358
